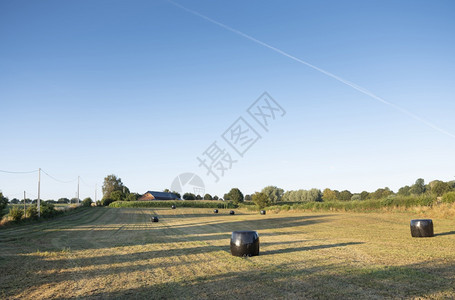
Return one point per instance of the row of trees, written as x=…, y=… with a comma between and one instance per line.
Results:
x=272, y=194
x=115, y=190
x=30, y=201
x=191, y=196
x=4, y=201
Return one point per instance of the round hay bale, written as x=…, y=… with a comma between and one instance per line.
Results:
x=263, y=212
x=232, y=212
x=173, y=206
x=422, y=228
x=215, y=211
x=154, y=219
x=245, y=243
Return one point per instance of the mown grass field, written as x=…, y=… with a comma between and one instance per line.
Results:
x=119, y=253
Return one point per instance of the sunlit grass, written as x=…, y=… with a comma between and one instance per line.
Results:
x=120, y=253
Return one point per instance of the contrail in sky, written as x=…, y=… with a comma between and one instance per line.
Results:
x=344, y=81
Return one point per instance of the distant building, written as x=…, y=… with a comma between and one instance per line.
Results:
x=151, y=195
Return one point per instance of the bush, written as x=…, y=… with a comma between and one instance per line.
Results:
x=261, y=200
x=87, y=202
x=48, y=210
x=107, y=201
x=15, y=213
x=31, y=212
x=3, y=204
x=448, y=197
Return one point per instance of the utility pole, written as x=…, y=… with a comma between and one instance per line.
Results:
x=39, y=186
x=24, y=204
x=78, y=189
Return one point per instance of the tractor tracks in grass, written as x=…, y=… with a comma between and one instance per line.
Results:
x=32, y=230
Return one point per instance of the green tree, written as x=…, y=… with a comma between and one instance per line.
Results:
x=132, y=197
x=208, y=197
x=356, y=197
x=274, y=193
x=247, y=197
x=329, y=195
x=314, y=195
x=87, y=202
x=117, y=195
x=47, y=210
x=14, y=201
x=381, y=193
x=345, y=195
x=418, y=188
x=189, y=196
x=3, y=203
x=234, y=195
x=439, y=188
x=286, y=196
x=451, y=184
x=111, y=184
x=198, y=197
x=215, y=197
x=404, y=191
x=364, y=195
x=261, y=199
x=177, y=194
x=63, y=200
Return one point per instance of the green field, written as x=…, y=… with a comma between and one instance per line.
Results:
x=119, y=253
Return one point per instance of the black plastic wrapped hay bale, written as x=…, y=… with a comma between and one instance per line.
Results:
x=245, y=243
x=263, y=212
x=422, y=228
x=173, y=206
x=154, y=219
x=215, y=211
x=232, y=212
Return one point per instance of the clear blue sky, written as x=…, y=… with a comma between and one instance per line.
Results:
x=141, y=88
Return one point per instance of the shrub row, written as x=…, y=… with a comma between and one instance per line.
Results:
x=182, y=203
x=365, y=205
x=48, y=210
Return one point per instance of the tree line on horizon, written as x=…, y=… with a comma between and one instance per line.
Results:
x=114, y=190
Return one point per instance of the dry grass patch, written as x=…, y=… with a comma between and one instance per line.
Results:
x=119, y=253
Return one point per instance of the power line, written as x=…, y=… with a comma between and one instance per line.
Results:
x=56, y=179
x=18, y=172
x=82, y=180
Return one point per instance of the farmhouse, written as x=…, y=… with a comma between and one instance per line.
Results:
x=151, y=195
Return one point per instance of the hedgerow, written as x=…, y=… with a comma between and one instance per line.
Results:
x=182, y=203
x=365, y=205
